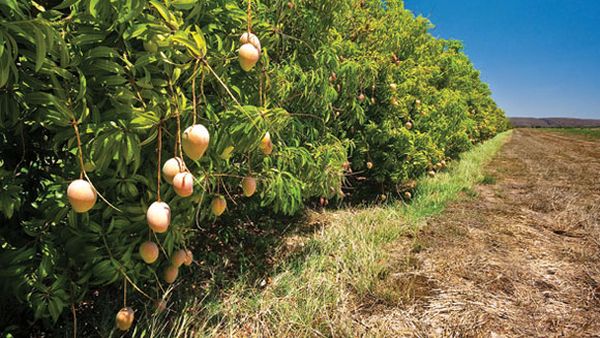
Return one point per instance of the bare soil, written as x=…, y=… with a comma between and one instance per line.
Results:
x=520, y=259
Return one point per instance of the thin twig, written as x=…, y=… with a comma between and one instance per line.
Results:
x=74, y=320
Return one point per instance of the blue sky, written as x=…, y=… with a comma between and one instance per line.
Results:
x=541, y=58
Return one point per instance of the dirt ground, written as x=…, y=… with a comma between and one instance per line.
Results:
x=520, y=259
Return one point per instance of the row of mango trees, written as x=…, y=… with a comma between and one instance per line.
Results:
x=126, y=125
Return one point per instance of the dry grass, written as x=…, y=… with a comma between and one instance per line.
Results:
x=520, y=260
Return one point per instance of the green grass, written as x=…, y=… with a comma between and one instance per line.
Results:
x=312, y=293
x=592, y=133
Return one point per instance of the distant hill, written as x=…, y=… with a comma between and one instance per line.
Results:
x=554, y=122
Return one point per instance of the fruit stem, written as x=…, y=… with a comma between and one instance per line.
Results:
x=202, y=86
x=79, y=149
x=124, y=292
x=194, y=90
x=249, y=16
x=159, y=151
x=178, y=145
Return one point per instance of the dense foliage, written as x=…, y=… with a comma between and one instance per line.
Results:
x=337, y=81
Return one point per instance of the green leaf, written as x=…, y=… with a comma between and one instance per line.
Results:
x=92, y=7
x=40, y=53
x=183, y=4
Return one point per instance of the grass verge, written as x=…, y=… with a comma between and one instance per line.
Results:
x=311, y=292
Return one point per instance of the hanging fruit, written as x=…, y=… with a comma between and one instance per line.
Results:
x=172, y=167
x=82, y=195
x=251, y=39
x=170, y=274
x=124, y=318
x=179, y=257
x=249, y=186
x=159, y=217
x=183, y=184
x=149, y=252
x=266, y=145
x=249, y=52
x=218, y=205
x=189, y=258
x=195, y=141
x=248, y=56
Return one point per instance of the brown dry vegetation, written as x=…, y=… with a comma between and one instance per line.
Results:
x=520, y=259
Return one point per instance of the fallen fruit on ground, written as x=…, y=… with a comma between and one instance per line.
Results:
x=172, y=167
x=249, y=186
x=361, y=97
x=159, y=217
x=408, y=125
x=125, y=318
x=407, y=195
x=369, y=165
x=218, y=205
x=82, y=195
x=170, y=274
x=431, y=173
x=183, y=184
x=195, y=141
x=149, y=252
